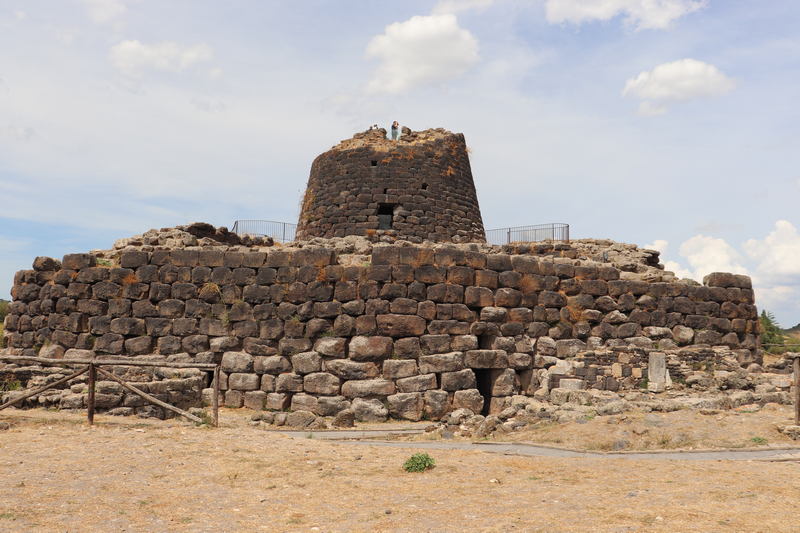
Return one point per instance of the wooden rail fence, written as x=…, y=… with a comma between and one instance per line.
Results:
x=94, y=366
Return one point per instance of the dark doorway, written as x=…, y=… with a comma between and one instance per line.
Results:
x=385, y=215
x=483, y=377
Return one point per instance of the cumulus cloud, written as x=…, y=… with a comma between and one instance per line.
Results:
x=102, y=11
x=677, y=81
x=455, y=6
x=709, y=254
x=134, y=57
x=778, y=255
x=420, y=51
x=643, y=14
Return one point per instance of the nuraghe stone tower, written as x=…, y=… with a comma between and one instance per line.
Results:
x=416, y=188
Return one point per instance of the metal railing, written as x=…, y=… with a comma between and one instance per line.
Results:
x=280, y=231
x=539, y=232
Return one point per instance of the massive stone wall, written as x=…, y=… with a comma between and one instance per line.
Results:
x=421, y=182
x=417, y=330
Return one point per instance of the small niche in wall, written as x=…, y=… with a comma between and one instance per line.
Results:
x=374, y=163
x=424, y=186
x=385, y=215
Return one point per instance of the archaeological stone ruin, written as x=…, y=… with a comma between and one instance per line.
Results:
x=389, y=304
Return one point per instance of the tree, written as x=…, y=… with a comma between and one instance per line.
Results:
x=3, y=310
x=771, y=333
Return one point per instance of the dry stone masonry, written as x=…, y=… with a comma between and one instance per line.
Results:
x=412, y=332
x=389, y=304
x=416, y=188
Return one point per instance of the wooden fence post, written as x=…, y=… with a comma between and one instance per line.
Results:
x=40, y=390
x=90, y=398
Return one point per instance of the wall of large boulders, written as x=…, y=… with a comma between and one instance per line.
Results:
x=414, y=332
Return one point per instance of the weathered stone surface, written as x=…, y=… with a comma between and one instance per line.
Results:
x=255, y=400
x=289, y=383
x=321, y=383
x=406, y=405
x=347, y=369
x=271, y=364
x=244, y=382
x=236, y=362
x=400, y=325
x=444, y=362
x=463, y=379
x=468, y=399
x=300, y=419
x=417, y=383
x=331, y=346
x=344, y=419
x=370, y=348
x=367, y=388
x=369, y=410
x=486, y=359
x=399, y=368
x=306, y=362
x=437, y=404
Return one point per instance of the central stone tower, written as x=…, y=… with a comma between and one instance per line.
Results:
x=416, y=188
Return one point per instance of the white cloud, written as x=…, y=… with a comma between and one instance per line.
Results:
x=778, y=254
x=676, y=81
x=455, y=6
x=133, y=57
x=643, y=14
x=659, y=245
x=419, y=51
x=102, y=11
x=708, y=254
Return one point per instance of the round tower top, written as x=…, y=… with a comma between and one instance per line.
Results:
x=418, y=187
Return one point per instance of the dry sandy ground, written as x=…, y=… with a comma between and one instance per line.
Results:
x=131, y=475
x=746, y=427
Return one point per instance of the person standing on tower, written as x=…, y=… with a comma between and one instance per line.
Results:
x=395, y=130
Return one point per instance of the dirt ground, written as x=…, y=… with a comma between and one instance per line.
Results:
x=746, y=427
x=58, y=474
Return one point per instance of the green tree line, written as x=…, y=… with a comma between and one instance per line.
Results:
x=774, y=338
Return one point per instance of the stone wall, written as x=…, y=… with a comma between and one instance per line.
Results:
x=410, y=331
x=423, y=181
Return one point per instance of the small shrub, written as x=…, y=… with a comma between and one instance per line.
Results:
x=419, y=462
x=758, y=440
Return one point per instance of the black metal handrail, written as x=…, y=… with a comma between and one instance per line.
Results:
x=279, y=231
x=539, y=232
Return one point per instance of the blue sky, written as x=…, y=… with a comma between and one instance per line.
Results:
x=669, y=123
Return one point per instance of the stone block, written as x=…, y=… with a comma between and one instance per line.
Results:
x=436, y=404
x=331, y=346
x=369, y=410
x=347, y=369
x=278, y=401
x=444, y=362
x=399, y=368
x=406, y=405
x=363, y=348
x=289, y=383
x=400, y=325
x=468, y=399
x=255, y=400
x=463, y=379
x=417, y=383
x=304, y=402
x=234, y=399
x=237, y=362
x=486, y=359
x=306, y=362
x=321, y=383
x=244, y=382
x=367, y=388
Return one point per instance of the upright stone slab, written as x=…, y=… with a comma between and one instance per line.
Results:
x=657, y=374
